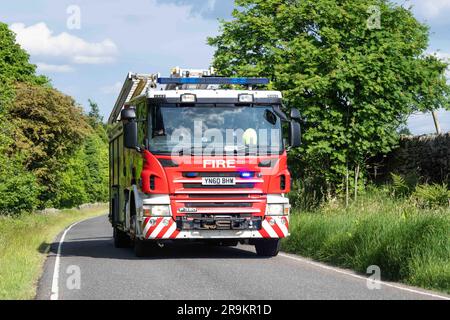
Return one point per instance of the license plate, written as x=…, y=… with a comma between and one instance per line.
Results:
x=218, y=181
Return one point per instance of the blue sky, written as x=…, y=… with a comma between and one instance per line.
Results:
x=149, y=36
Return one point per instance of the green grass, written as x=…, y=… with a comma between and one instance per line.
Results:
x=410, y=244
x=21, y=247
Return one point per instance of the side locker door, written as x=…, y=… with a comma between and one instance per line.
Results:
x=121, y=180
x=114, y=181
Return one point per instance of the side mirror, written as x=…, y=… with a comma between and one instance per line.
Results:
x=294, y=134
x=128, y=118
x=128, y=114
x=295, y=114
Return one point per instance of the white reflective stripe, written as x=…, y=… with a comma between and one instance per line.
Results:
x=157, y=229
x=282, y=226
x=171, y=230
x=266, y=226
x=147, y=226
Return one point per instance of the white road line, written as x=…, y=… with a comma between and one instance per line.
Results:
x=55, y=282
x=361, y=277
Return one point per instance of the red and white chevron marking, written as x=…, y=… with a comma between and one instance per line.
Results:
x=165, y=228
x=275, y=227
x=159, y=228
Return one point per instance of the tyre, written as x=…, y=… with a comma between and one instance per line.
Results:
x=267, y=247
x=121, y=239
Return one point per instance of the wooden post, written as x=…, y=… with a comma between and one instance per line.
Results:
x=356, y=180
x=436, y=122
x=346, y=187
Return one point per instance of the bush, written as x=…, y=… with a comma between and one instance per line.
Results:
x=18, y=188
x=433, y=195
x=402, y=186
x=306, y=194
x=71, y=186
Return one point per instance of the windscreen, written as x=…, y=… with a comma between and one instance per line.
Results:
x=215, y=129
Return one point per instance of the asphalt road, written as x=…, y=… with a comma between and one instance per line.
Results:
x=91, y=268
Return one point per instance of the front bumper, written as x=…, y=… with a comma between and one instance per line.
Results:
x=167, y=228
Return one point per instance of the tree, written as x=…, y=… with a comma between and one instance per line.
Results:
x=94, y=116
x=354, y=84
x=14, y=66
x=71, y=185
x=48, y=129
x=18, y=187
x=404, y=130
x=96, y=159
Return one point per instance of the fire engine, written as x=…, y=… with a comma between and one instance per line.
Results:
x=199, y=157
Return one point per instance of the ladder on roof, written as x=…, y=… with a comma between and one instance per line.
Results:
x=135, y=84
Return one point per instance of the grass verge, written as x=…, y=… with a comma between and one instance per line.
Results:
x=21, y=255
x=410, y=244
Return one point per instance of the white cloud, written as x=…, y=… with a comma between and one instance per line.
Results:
x=40, y=41
x=92, y=60
x=443, y=56
x=431, y=8
x=112, y=89
x=44, y=67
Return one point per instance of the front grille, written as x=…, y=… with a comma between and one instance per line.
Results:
x=235, y=186
x=219, y=223
x=218, y=205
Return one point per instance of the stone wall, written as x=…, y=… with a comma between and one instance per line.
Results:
x=427, y=156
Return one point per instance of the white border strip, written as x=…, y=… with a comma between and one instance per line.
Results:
x=361, y=277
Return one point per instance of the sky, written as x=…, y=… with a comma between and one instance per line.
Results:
x=87, y=47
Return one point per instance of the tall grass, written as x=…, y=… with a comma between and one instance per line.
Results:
x=21, y=247
x=409, y=242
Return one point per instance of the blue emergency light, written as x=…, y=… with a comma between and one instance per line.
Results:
x=214, y=80
x=246, y=174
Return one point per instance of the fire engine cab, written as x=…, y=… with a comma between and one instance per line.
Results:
x=197, y=157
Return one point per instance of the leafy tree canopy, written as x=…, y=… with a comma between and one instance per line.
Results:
x=48, y=128
x=95, y=118
x=355, y=84
x=14, y=65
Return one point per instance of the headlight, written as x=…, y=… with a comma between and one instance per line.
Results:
x=278, y=209
x=159, y=211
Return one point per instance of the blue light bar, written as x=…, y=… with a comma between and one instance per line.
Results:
x=214, y=80
x=246, y=174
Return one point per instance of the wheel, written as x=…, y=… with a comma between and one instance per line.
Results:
x=267, y=247
x=121, y=239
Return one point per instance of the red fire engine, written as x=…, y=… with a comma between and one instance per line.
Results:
x=190, y=160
